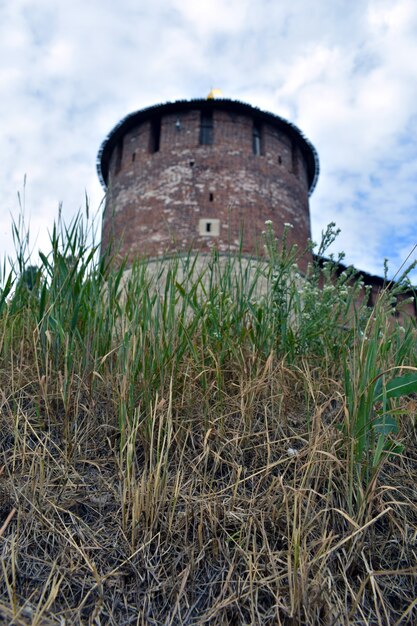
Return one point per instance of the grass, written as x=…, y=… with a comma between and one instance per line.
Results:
x=192, y=449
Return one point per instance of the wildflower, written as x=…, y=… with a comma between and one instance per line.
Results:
x=268, y=222
x=288, y=225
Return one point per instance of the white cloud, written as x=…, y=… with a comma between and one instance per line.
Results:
x=208, y=17
x=344, y=72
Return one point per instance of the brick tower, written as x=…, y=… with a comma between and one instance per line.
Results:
x=193, y=175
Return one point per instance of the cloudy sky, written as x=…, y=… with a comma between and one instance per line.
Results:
x=344, y=71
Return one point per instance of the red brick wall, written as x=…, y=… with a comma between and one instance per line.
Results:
x=155, y=200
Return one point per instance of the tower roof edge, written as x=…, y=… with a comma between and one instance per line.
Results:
x=236, y=106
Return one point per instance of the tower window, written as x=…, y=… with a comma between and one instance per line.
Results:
x=133, y=157
x=119, y=156
x=294, y=158
x=206, y=128
x=257, y=139
x=209, y=227
x=211, y=197
x=155, y=135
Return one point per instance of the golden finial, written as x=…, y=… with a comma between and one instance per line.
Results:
x=214, y=93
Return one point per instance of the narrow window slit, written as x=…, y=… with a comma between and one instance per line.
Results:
x=206, y=128
x=294, y=158
x=257, y=142
x=119, y=156
x=209, y=227
x=155, y=135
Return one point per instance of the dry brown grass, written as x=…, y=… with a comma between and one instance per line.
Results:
x=237, y=518
x=203, y=455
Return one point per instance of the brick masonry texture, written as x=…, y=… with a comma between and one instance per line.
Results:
x=163, y=186
x=156, y=198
